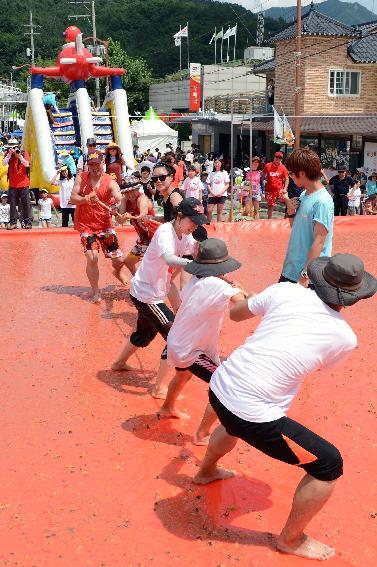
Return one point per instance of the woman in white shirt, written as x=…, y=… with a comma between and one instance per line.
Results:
x=65, y=181
x=218, y=184
x=151, y=285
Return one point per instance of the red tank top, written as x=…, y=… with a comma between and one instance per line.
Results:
x=94, y=218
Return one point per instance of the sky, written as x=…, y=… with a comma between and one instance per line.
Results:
x=254, y=5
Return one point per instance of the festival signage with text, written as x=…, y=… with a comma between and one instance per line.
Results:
x=195, y=79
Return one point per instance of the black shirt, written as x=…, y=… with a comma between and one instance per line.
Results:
x=169, y=210
x=341, y=186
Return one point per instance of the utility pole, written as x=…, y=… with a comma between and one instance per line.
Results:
x=32, y=33
x=90, y=7
x=298, y=78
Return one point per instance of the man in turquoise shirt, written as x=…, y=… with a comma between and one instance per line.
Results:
x=313, y=213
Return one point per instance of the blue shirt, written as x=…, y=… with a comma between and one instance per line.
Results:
x=316, y=207
x=371, y=187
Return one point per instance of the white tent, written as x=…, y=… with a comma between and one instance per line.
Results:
x=151, y=132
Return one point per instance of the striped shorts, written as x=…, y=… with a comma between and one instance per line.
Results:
x=203, y=368
x=153, y=318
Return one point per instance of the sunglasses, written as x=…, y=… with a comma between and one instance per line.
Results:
x=156, y=178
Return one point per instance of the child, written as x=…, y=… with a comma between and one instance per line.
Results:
x=192, y=186
x=203, y=179
x=44, y=206
x=192, y=343
x=151, y=285
x=65, y=181
x=4, y=211
x=354, y=197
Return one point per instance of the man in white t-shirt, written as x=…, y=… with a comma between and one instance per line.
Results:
x=192, y=186
x=151, y=285
x=218, y=184
x=192, y=343
x=302, y=330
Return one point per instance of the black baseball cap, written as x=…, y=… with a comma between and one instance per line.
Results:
x=91, y=142
x=193, y=208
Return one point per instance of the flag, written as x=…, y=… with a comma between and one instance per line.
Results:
x=230, y=31
x=212, y=38
x=288, y=135
x=177, y=41
x=219, y=35
x=278, y=128
x=182, y=33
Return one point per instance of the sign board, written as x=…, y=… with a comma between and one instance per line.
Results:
x=370, y=157
x=195, y=79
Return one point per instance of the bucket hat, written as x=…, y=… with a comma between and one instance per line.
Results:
x=212, y=260
x=341, y=279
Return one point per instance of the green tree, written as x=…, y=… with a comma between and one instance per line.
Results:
x=137, y=79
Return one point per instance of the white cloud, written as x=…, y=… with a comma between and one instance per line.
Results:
x=256, y=5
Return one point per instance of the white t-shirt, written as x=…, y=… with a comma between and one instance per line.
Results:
x=65, y=190
x=192, y=187
x=189, y=156
x=151, y=283
x=218, y=180
x=354, y=199
x=208, y=164
x=5, y=213
x=298, y=334
x=197, y=324
x=45, y=205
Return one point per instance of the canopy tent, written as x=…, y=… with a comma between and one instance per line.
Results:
x=151, y=133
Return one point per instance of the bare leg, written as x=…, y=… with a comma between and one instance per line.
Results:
x=185, y=278
x=310, y=497
x=269, y=211
x=247, y=210
x=168, y=408
x=162, y=379
x=210, y=212
x=256, y=210
x=220, y=444
x=92, y=272
x=131, y=261
x=203, y=433
x=121, y=362
x=220, y=213
x=118, y=264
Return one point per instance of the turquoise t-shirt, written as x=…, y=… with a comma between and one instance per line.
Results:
x=316, y=207
x=371, y=188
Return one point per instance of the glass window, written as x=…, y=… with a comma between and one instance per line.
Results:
x=344, y=83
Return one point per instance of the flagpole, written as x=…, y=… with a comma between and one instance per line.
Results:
x=215, y=45
x=227, y=51
x=222, y=40
x=188, y=49
x=180, y=51
x=235, y=41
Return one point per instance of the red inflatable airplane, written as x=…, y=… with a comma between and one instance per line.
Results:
x=75, y=62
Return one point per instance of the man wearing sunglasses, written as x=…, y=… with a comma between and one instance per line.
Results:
x=340, y=185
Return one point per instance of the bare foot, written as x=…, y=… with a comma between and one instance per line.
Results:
x=172, y=412
x=159, y=394
x=96, y=298
x=200, y=439
x=308, y=547
x=218, y=474
x=118, y=276
x=122, y=367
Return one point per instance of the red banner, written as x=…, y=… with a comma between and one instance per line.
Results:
x=195, y=79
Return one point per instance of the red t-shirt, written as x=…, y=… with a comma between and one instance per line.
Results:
x=275, y=175
x=115, y=170
x=17, y=172
x=178, y=177
x=94, y=218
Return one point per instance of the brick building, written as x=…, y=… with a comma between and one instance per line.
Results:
x=339, y=83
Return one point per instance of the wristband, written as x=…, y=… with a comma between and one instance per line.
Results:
x=304, y=274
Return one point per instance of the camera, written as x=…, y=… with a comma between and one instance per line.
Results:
x=17, y=151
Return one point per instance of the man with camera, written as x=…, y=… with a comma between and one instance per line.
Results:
x=19, y=182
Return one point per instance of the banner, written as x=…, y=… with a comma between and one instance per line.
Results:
x=278, y=128
x=370, y=157
x=288, y=135
x=195, y=80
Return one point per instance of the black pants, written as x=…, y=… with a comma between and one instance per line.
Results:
x=340, y=205
x=152, y=319
x=18, y=197
x=65, y=215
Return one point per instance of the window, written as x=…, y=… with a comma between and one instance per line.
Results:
x=344, y=83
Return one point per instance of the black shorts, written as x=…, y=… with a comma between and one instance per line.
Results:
x=283, y=279
x=216, y=200
x=152, y=319
x=203, y=368
x=285, y=440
